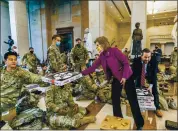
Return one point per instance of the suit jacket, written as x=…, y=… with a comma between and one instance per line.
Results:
x=151, y=75
x=115, y=60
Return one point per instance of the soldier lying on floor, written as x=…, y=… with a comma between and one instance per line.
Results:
x=12, y=89
x=62, y=112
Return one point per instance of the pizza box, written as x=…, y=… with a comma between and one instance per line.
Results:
x=115, y=123
x=62, y=78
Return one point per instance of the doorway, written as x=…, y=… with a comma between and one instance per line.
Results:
x=67, y=38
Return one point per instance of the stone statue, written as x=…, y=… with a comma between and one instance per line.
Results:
x=137, y=36
x=88, y=44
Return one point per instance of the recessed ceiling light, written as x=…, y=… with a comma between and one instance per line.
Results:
x=111, y=6
x=153, y=16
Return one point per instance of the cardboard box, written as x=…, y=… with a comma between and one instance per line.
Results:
x=115, y=123
x=145, y=99
x=8, y=115
x=60, y=82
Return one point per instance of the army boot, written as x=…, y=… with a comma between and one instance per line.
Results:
x=87, y=119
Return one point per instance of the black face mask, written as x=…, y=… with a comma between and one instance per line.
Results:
x=78, y=45
x=167, y=68
x=175, y=50
x=31, y=52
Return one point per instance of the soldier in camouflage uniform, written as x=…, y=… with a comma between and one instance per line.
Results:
x=31, y=60
x=56, y=60
x=174, y=57
x=62, y=112
x=170, y=72
x=103, y=91
x=13, y=79
x=79, y=56
x=87, y=89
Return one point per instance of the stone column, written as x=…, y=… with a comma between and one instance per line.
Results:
x=162, y=47
x=139, y=14
x=96, y=19
x=19, y=25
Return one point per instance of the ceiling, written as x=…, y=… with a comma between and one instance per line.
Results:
x=118, y=10
x=155, y=10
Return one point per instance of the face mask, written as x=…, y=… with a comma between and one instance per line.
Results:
x=15, y=50
x=31, y=52
x=58, y=44
x=78, y=45
x=175, y=50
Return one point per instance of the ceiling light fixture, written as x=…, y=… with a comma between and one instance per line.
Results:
x=111, y=6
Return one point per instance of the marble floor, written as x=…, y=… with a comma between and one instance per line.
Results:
x=107, y=110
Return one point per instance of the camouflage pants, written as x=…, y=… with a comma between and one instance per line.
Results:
x=86, y=95
x=79, y=67
x=33, y=70
x=104, y=95
x=67, y=122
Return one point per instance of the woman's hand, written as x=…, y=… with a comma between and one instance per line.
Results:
x=123, y=80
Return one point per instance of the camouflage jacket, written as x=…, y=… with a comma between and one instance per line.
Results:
x=59, y=100
x=12, y=86
x=174, y=58
x=56, y=60
x=79, y=54
x=31, y=60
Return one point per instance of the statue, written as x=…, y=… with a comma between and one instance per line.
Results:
x=88, y=44
x=137, y=36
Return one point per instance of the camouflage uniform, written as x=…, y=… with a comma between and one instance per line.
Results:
x=170, y=74
x=79, y=55
x=56, y=60
x=104, y=93
x=88, y=89
x=31, y=60
x=62, y=112
x=174, y=58
x=12, y=86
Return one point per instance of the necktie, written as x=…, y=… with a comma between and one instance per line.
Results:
x=143, y=75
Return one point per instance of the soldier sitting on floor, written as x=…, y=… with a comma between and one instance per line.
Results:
x=62, y=112
x=169, y=73
x=12, y=89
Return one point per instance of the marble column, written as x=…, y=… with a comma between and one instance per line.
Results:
x=162, y=47
x=139, y=14
x=19, y=25
x=96, y=19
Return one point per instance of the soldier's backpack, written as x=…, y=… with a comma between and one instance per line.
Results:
x=31, y=119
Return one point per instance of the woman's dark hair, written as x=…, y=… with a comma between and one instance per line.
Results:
x=8, y=54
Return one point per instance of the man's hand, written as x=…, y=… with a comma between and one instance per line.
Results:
x=150, y=89
x=123, y=80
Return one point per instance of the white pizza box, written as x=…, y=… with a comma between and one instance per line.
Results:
x=60, y=82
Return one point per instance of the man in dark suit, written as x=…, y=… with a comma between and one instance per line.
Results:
x=145, y=68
